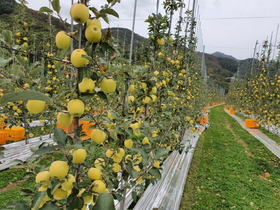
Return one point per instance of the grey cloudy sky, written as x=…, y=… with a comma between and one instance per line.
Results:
x=228, y=26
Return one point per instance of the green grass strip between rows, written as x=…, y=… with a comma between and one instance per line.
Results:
x=228, y=167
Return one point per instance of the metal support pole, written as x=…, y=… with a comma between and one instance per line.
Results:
x=132, y=33
x=157, y=10
x=275, y=43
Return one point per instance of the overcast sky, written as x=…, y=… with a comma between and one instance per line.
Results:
x=228, y=26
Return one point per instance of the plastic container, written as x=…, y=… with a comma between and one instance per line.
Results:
x=251, y=123
x=15, y=133
x=3, y=137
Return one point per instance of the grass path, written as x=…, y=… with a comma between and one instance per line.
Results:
x=228, y=167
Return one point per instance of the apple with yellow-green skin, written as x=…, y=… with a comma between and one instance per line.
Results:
x=130, y=99
x=76, y=58
x=128, y=143
x=146, y=100
x=79, y=156
x=43, y=177
x=64, y=119
x=95, y=22
x=108, y=85
x=59, y=169
x=98, y=136
x=87, y=85
x=160, y=42
x=79, y=13
x=131, y=88
x=35, y=106
x=62, y=40
x=76, y=107
x=98, y=186
x=94, y=174
x=93, y=33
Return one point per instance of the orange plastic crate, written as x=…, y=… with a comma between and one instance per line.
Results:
x=66, y=129
x=251, y=123
x=15, y=133
x=3, y=137
x=86, y=127
x=18, y=133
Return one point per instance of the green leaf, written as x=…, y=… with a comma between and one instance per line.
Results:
x=50, y=206
x=74, y=203
x=5, y=81
x=26, y=192
x=56, y=5
x=160, y=153
x=87, y=57
x=4, y=51
x=104, y=201
x=16, y=70
x=134, y=196
x=131, y=171
x=34, y=72
x=18, y=205
x=155, y=172
x=24, y=95
x=8, y=36
x=114, y=135
x=110, y=12
x=102, y=95
x=45, y=150
x=60, y=136
x=4, y=62
x=45, y=9
x=105, y=18
x=141, y=151
x=20, y=60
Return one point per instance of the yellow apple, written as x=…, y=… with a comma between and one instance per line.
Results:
x=76, y=58
x=156, y=164
x=160, y=41
x=79, y=13
x=87, y=85
x=116, y=167
x=154, y=90
x=62, y=40
x=131, y=88
x=160, y=55
x=43, y=177
x=95, y=22
x=68, y=182
x=79, y=156
x=94, y=174
x=35, y=106
x=64, y=119
x=93, y=34
x=98, y=186
x=130, y=99
x=76, y=107
x=59, y=169
x=108, y=85
x=98, y=136
x=146, y=100
x=128, y=143
x=146, y=141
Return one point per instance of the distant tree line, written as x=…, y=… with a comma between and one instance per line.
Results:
x=7, y=6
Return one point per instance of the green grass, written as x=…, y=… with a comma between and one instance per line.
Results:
x=227, y=170
x=11, y=175
x=13, y=194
